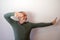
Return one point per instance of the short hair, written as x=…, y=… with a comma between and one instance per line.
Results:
x=24, y=13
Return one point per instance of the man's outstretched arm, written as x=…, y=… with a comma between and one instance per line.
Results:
x=44, y=24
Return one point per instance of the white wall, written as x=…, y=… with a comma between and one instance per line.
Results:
x=41, y=11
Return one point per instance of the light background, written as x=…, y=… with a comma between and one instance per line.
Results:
x=37, y=11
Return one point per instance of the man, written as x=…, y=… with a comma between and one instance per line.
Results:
x=22, y=28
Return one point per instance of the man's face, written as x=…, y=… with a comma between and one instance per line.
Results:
x=22, y=17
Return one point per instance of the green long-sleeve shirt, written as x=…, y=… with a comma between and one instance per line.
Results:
x=22, y=31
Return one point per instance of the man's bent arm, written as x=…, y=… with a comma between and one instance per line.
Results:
x=7, y=17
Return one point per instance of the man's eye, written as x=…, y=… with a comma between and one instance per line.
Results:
x=21, y=17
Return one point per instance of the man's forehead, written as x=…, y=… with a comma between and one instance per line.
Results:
x=21, y=13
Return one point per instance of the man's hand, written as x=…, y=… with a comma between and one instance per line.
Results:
x=54, y=21
x=16, y=14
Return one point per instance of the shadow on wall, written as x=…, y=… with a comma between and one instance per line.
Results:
x=46, y=33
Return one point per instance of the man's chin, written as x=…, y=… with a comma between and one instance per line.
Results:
x=21, y=22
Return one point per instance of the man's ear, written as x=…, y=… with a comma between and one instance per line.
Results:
x=14, y=18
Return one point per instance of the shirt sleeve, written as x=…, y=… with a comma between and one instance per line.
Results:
x=7, y=17
x=34, y=25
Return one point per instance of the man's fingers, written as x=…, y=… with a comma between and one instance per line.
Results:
x=54, y=21
x=56, y=18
